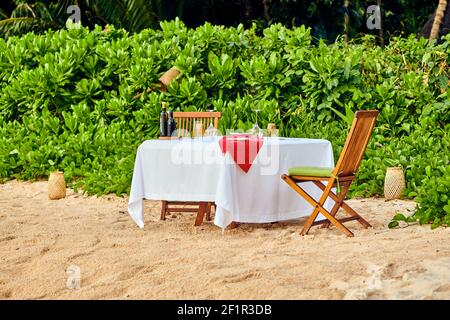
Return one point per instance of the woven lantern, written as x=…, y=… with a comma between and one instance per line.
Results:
x=56, y=186
x=168, y=77
x=394, y=183
x=272, y=129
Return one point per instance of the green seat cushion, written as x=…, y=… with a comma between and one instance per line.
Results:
x=311, y=171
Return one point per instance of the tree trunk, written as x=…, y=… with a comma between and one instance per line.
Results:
x=248, y=9
x=346, y=21
x=381, y=32
x=266, y=5
x=440, y=11
x=253, y=9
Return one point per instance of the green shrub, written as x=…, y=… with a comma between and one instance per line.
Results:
x=82, y=101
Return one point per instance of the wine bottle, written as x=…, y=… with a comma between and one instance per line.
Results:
x=163, y=121
x=171, y=124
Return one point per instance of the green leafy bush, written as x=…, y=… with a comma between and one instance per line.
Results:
x=82, y=101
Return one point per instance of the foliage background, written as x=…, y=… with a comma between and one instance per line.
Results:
x=325, y=17
x=68, y=99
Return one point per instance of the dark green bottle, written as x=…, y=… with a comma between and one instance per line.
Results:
x=171, y=124
x=163, y=122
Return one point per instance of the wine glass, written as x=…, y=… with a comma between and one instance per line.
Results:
x=211, y=130
x=256, y=130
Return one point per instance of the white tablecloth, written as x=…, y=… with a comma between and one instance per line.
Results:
x=196, y=170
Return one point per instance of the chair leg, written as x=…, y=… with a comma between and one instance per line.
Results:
x=208, y=211
x=318, y=207
x=338, y=204
x=200, y=214
x=333, y=213
x=345, y=206
x=309, y=222
x=164, y=205
x=334, y=221
x=353, y=213
x=233, y=225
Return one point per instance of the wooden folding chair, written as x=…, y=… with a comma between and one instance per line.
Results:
x=186, y=122
x=342, y=176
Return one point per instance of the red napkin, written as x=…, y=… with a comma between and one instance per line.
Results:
x=243, y=148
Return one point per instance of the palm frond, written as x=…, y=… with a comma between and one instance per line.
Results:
x=133, y=15
x=140, y=15
x=3, y=14
x=18, y=26
x=23, y=9
x=110, y=11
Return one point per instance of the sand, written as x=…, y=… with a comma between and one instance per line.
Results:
x=47, y=246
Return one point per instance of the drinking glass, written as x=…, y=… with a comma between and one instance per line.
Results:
x=256, y=130
x=211, y=130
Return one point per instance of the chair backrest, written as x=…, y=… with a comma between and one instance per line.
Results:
x=186, y=120
x=356, y=143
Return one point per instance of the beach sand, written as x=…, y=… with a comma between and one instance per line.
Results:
x=44, y=245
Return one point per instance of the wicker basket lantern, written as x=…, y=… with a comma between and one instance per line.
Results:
x=168, y=77
x=394, y=183
x=56, y=186
x=272, y=129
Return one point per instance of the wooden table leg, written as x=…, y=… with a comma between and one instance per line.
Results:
x=163, y=209
x=208, y=211
x=233, y=225
x=200, y=214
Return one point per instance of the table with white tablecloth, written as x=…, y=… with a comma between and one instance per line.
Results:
x=196, y=170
